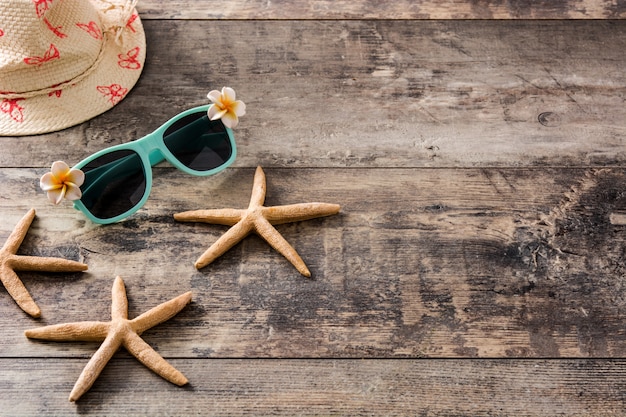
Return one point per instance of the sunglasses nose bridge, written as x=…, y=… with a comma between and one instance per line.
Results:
x=156, y=156
x=151, y=146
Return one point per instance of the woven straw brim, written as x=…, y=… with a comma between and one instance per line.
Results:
x=107, y=83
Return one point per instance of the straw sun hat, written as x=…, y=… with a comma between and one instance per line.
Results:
x=63, y=62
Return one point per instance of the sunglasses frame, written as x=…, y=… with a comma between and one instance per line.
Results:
x=151, y=150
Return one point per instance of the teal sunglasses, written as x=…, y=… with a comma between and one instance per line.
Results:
x=118, y=179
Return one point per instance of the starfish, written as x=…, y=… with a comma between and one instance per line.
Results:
x=10, y=262
x=118, y=332
x=257, y=219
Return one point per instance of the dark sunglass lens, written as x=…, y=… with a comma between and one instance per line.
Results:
x=198, y=143
x=114, y=183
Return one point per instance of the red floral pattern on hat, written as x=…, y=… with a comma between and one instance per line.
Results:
x=129, y=24
x=1, y=33
x=42, y=6
x=92, y=29
x=54, y=29
x=51, y=54
x=13, y=109
x=114, y=92
x=56, y=93
x=129, y=59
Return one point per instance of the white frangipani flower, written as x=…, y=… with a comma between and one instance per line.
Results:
x=226, y=107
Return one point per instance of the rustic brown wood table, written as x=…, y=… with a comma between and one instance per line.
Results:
x=477, y=266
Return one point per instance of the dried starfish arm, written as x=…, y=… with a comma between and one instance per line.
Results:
x=160, y=313
x=18, y=291
x=39, y=263
x=119, y=300
x=84, y=331
x=150, y=358
x=11, y=262
x=278, y=242
x=224, y=243
x=227, y=217
x=16, y=237
x=299, y=212
x=96, y=364
x=259, y=188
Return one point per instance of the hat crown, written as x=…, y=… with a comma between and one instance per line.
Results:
x=44, y=43
x=63, y=62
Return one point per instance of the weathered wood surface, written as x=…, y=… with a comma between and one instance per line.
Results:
x=379, y=94
x=382, y=9
x=480, y=170
x=275, y=387
x=419, y=263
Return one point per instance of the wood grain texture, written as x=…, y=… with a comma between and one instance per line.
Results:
x=378, y=94
x=322, y=388
x=476, y=267
x=419, y=263
x=382, y=9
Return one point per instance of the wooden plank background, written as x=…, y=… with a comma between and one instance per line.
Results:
x=476, y=267
x=327, y=387
x=380, y=94
x=381, y=9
